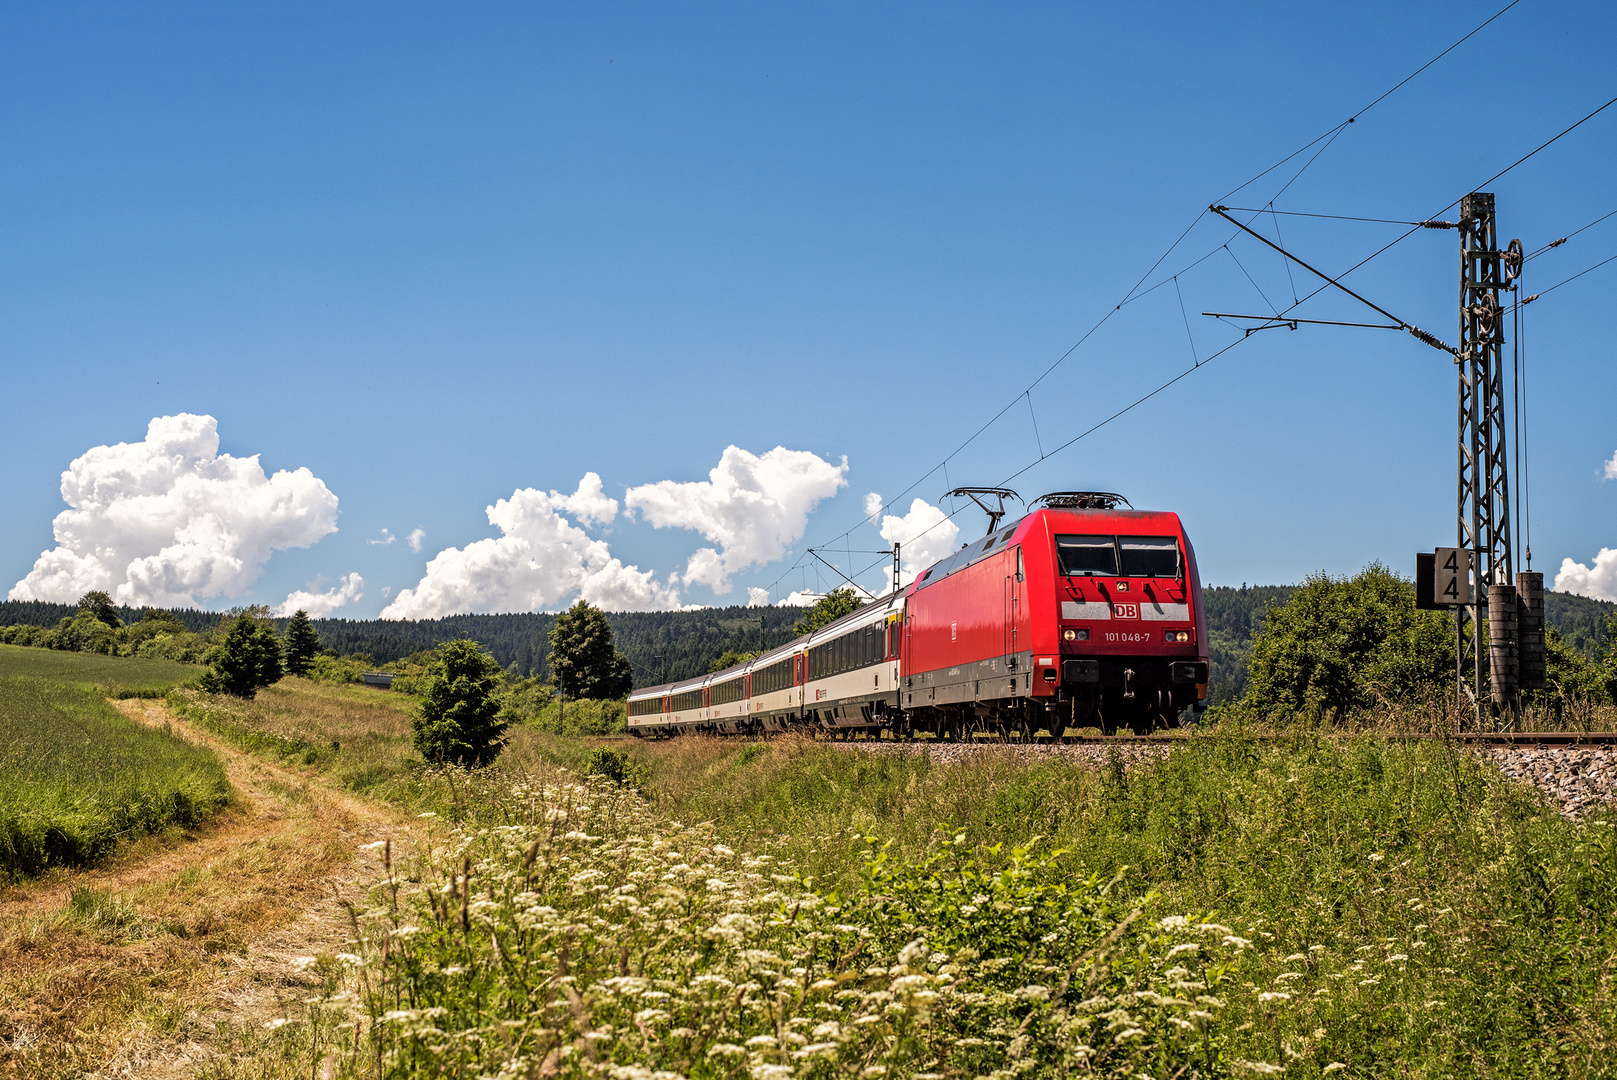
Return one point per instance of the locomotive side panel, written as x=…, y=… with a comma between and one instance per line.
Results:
x=964, y=631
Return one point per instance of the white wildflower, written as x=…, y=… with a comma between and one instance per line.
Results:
x=913, y=954
x=278, y=1023
x=1174, y=922
x=1274, y=995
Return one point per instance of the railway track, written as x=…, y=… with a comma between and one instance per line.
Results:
x=1576, y=771
x=1523, y=739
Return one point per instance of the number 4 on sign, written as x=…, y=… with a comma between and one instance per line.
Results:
x=1451, y=580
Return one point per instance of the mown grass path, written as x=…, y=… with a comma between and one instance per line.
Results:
x=169, y=959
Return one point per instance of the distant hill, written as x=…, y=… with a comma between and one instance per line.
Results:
x=679, y=644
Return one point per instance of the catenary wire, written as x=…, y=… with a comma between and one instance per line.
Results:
x=1569, y=280
x=1568, y=236
x=1327, y=137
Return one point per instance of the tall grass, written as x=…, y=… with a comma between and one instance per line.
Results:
x=589, y=936
x=358, y=736
x=1416, y=913
x=120, y=677
x=76, y=777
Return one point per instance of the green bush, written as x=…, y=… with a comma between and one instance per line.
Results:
x=584, y=717
x=338, y=669
x=618, y=767
x=1343, y=644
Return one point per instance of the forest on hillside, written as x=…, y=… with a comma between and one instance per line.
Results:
x=667, y=645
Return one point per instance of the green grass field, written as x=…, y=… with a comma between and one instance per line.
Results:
x=76, y=776
x=121, y=677
x=1406, y=910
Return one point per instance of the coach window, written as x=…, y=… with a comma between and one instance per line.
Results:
x=1083, y=556
x=1149, y=556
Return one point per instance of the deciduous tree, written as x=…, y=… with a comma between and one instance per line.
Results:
x=829, y=608
x=100, y=605
x=729, y=658
x=585, y=663
x=1340, y=644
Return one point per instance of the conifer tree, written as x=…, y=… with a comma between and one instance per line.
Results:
x=249, y=657
x=302, y=643
x=459, y=722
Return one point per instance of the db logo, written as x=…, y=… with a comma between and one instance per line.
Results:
x=1125, y=611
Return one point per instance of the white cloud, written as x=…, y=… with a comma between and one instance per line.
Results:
x=539, y=558
x=750, y=506
x=169, y=520
x=415, y=538
x=926, y=534
x=317, y=605
x=387, y=538
x=1611, y=468
x=757, y=597
x=1597, y=580
x=872, y=505
x=799, y=598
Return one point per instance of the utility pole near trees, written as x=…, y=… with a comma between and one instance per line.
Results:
x=1477, y=571
x=1514, y=603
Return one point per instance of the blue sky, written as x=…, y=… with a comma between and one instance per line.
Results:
x=439, y=254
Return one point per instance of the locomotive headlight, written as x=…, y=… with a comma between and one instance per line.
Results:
x=1176, y=637
x=1075, y=635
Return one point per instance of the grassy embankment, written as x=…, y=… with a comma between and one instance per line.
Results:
x=1408, y=911
x=76, y=776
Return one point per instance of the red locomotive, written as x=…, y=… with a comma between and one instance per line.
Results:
x=1080, y=614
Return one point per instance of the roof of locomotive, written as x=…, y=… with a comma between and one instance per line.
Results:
x=1098, y=520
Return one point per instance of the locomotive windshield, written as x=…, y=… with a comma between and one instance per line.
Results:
x=1149, y=556
x=1081, y=555
x=1118, y=556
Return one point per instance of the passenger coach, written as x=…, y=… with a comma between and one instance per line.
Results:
x=1080, y=614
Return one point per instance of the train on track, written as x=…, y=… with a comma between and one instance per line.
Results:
x=1083, y=613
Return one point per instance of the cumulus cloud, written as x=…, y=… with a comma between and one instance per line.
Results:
x=540, y=557
x=386, y=538
x=757, y=597
x=1611, y=468
x=873, y=505
x=926, y=534
x=1597, y=580
x=170, y=520
x=751, y=507
x=415, y=538
x=317, y=605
